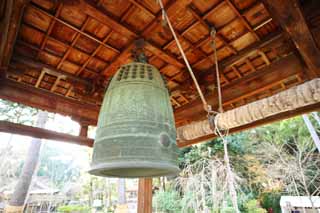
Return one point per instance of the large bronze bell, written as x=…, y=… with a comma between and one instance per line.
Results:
x=136, y=135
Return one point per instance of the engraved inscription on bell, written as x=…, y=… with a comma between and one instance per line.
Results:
x=136, y=134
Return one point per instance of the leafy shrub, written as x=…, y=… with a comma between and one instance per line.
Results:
x=167, y=201
x=252, y=207
x=271, y=200
x=73, y=208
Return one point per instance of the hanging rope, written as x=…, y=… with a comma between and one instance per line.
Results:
x=165, y=17
x=215, y=59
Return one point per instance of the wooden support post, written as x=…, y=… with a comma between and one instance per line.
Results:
x=83, y=130
x=145, y=195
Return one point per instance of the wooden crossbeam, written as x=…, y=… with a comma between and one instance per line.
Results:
x=36, y=132
x=291, y=18
x=30, y=63
x=265, y=121
x=240, y=88
x=42, y=99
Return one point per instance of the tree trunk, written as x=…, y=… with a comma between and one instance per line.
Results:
x=20, y=194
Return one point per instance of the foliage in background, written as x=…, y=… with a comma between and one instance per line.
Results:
x=73, y=208
x=271, y=200
x=270, y=161
x=167, y=201
x=252, y=206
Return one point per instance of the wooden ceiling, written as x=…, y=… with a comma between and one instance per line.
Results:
x=60, y=55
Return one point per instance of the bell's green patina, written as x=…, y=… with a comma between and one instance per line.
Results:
x=136, y=134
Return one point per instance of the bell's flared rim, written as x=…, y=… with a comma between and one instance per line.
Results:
x=136, y=169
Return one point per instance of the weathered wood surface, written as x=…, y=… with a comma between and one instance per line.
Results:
x=44, y=100
x=271, y=119
x=36, y=132
x=291, y=17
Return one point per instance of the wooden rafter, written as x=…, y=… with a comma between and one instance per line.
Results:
x=10, y=25
x=105, y=40
x=243, y=19
x=74, y=41
x=291, y=18
x=51, y=25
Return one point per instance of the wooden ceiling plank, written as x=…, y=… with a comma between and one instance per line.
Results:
x=162, y=54
x=76, y=29
x=74, y=41
x=128, y=13
x=157, y=18
x=243, y=19
x=134, y=2
x=219, y=35
x=290, y=16
x=38, y=49
x=105, y=40
x=98, y=13
x=151, y=47
x=36, y=132
x=48, y=32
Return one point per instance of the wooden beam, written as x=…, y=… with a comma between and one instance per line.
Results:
x=265, y=121
x=145, y=195
x=9, y=26
x=289, y=14
x=36, y=132
x=45, y=100
x=251, y=84
x=28, y=62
